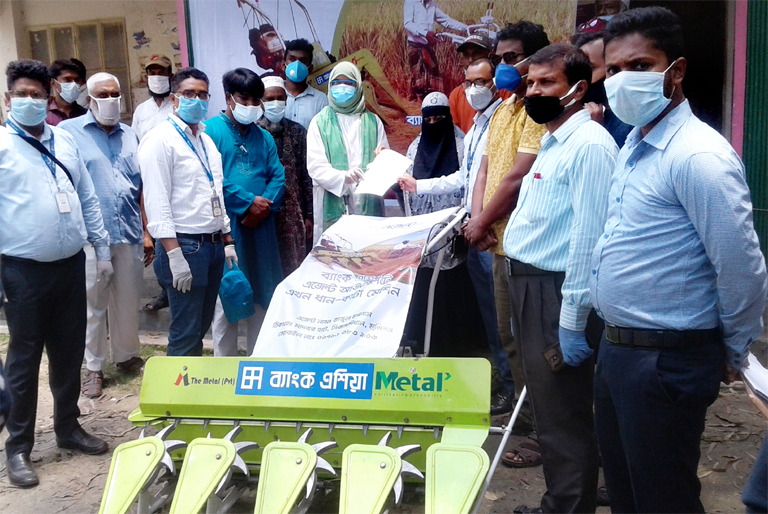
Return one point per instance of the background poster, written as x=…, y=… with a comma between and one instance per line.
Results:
x=219, y=37
x=350, y=296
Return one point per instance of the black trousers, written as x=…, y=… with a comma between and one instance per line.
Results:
x=650, y=407
x=46, y=308
x=561, y=401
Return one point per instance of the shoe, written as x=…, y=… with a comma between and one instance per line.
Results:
x=502, y=403
x=93, y=383
x=524, y=509
x=82, y=441
x=131, y=366
x=20, y=471
x=602, y=497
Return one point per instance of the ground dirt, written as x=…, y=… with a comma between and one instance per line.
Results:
x=74, y=483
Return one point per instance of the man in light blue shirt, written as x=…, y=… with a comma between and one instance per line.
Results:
x=48, y=210
x=109, y=149
x=303, y=101
x=549, y=240
x=677, y=275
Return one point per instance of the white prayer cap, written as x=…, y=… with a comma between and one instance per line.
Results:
x=273, y=81
x=435, y=99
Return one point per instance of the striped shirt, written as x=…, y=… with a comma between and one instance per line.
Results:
x=679, y=249
x=562, y=209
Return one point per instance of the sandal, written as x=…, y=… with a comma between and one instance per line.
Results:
x=132, y=365
x=92, y=385
x=526, y=455
x=160, y=302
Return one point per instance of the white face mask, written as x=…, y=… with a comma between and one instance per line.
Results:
x=69, y=91
x=637, y=97
x=274, y=110
x=247, y=114
x=106, y=110
x=478, y=97
x=158, y=84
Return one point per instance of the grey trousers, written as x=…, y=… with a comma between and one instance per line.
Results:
x=561, y=401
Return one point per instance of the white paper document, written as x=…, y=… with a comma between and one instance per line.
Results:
x=382, y=173
x=757, y=376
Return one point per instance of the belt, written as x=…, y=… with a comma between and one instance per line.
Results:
x=515, y=267
x=650, y=338
x=205, y=238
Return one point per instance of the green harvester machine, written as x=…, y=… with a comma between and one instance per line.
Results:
x=225, y=423
x=288, y=425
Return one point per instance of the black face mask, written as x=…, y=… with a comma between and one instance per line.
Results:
x=596, y=93
x=543, y=109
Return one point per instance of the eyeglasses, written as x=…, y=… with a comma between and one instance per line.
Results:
x=102, y=96
x=476, y=82
x=344, y=83
x=24, y=94
x=511, y=57
x=191, y=95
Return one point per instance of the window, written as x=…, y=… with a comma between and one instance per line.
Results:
x=99, y=44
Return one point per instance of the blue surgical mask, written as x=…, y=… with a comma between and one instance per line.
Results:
x=343, y=93
x=297, y=72
x=29, y=111
x=246, y=114
x=191, y=111
x=507, y=77
x=274, y=110
x=637, y=97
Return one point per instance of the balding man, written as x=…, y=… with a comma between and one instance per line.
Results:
x=109, y=149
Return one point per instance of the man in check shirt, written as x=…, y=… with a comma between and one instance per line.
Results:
x=182, y=175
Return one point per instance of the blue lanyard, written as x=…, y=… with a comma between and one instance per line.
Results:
x=202, y=143
x=48, y=161
x=471, y=154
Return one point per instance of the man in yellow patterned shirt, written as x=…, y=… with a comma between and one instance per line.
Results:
x=513, y=142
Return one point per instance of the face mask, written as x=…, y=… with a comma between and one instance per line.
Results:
x=158, y=84
x=83, y=97
x=246, y=114
x=274, y=45
x=297, y=72
x=274, y=110
x=595, y=93
x=107, y=111
x=69, y=91
x=507, y=77
x=191, y=111
x=543, y=109
x=478, y=97
x=343, y=93
x=28, y=111
x=637, y=97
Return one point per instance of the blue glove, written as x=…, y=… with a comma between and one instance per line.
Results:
x=574, y=347
x=5, y=398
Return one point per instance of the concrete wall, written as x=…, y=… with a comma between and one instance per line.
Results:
x=150, y=25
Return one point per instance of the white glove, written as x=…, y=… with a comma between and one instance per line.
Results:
x=104, y=272
x=230, y=255
x=182, y=275
x=353, y=176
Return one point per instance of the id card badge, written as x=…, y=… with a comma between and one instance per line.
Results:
x=63, y=203
x=216, y=205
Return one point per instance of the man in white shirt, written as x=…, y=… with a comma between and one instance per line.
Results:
x=156, y=109
x=183, y=181
x=147, y=116
x=419, y=18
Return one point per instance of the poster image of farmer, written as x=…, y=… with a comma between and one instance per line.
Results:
x=419, y=19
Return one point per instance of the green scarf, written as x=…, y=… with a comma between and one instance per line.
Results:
x=330, y=132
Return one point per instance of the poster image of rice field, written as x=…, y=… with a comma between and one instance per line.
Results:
x=378, y=27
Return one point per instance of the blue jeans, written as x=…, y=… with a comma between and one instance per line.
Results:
x=755, y=494
x=480, y=265
x=191, y=312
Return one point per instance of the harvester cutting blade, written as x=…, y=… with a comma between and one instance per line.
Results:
x=408, y=470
